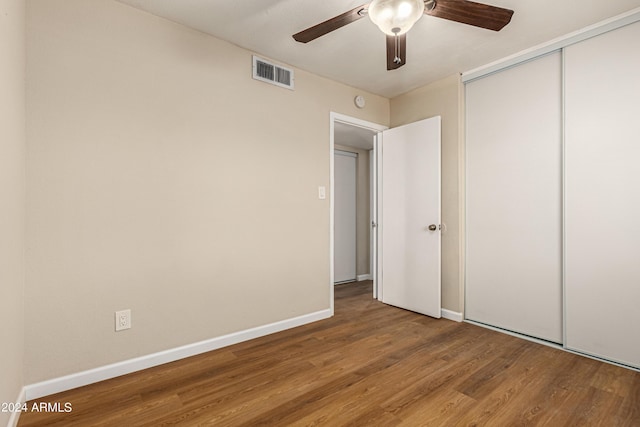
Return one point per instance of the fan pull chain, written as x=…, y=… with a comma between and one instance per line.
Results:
x=396, y=59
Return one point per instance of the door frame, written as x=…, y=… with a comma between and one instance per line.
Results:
x=374, y=128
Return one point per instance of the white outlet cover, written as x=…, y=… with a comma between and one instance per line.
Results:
x=123, y=320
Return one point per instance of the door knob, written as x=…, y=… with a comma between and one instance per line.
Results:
x=433, y=227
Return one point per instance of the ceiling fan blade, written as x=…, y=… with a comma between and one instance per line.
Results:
x=472, y=13
x=396, y=51
x=329, y=25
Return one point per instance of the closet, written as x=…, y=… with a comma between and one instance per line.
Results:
x=514, y=219
x=553, y=194
x=602, y=195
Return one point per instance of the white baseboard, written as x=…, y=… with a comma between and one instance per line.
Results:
x=15, y=416
x=364, y=277
x=451, y=315
x=68, y=382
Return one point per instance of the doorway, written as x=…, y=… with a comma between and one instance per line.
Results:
x=358, y=137
x=402, y=244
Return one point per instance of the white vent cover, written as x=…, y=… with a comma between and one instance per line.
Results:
x=268, y=72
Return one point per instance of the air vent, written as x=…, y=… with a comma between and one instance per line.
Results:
x=266, y=71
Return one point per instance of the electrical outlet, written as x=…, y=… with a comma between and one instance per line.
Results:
x=123, y=320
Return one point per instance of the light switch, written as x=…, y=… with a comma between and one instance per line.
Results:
x=322, y=193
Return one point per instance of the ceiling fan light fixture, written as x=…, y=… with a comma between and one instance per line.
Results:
x=395, y=17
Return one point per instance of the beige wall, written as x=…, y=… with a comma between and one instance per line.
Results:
x=363, y=209
x=12, y=199
x=163, y=179
x=442, y=98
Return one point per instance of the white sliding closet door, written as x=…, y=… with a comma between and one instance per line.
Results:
x=514, y=199
x=602, y=202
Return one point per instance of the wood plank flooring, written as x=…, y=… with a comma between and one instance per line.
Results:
x=369, y=365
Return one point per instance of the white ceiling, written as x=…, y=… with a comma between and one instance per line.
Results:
x=356, y=55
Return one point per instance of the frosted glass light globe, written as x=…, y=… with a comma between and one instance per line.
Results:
x=395, y=17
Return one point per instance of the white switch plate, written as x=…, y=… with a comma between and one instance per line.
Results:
x=123, y=320
x=322, y=193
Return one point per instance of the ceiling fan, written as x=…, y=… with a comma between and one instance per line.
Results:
x=396, y=17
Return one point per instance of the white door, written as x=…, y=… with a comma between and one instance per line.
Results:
x=602, y=203
x=514, y=199
x=345, y=217
x=409, y=217
x=373, y=214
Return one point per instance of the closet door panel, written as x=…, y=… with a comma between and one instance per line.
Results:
x=514, y=199
x=345, y=220
x=602, y=201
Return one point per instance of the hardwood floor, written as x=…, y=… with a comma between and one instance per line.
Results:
x=369, y=365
